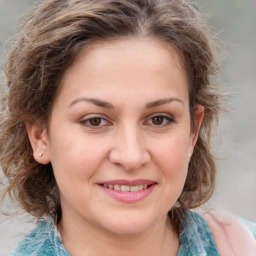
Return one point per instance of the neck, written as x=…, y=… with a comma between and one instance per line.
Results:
x=159, y=239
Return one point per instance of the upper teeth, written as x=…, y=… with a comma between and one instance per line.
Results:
x=126, y=188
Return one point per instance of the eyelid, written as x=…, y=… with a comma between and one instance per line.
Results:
x=166, y=116
x=87, y=118
x=161, y=114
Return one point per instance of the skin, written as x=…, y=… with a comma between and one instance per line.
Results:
x=126, y=143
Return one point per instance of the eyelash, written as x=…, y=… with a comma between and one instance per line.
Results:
x=166, y=118
x=87, y=122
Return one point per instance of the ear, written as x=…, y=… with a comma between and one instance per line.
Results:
x=39, y=141
x=199, y=115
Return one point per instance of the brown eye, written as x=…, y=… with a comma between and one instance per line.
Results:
x=158, y=120
x=95, y=121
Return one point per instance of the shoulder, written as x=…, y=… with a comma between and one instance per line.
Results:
x=217, y=233
x=196, y=237
x=233, y=235
x=43, y=240
x=251, y=226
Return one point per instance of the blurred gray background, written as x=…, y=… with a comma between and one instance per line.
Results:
x=234, y=22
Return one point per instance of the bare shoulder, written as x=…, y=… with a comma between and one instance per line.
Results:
x=233, y=235
x=251, y=226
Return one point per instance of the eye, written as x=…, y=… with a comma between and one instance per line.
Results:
x=94, y=122
x=160, y=120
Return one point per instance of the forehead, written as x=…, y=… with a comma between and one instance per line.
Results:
x=158, y=52
x=133, y=63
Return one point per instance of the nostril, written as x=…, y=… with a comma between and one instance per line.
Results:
x=128, y=151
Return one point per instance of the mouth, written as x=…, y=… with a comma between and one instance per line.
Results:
x=128, y=191
x=125, y=188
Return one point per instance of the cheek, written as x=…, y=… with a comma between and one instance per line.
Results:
x=172, y=158
x=75, y=163
x=75, y=158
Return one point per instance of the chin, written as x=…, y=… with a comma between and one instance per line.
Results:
x=130, y=224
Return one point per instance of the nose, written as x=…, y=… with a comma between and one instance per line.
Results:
x=129, y=150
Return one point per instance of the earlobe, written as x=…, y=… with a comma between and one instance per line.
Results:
x=38, y=137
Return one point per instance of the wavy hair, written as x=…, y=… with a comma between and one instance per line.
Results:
x=52, y=36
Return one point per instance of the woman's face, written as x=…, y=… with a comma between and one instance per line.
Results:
x=119, y=137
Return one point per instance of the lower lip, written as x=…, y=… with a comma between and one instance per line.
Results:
x=128, y=196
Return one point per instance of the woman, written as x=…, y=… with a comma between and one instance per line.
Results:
x=105, y=130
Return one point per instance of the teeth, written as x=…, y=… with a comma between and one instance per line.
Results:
x=134, y=188
x=117, y=187
x=141, y=187
x=125, y=188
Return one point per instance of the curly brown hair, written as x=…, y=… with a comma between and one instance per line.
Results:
x=53, y=35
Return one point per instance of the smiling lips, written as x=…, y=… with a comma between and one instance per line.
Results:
x=125, y=188
x=128, y=191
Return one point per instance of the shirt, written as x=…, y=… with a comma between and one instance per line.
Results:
x=196, y=239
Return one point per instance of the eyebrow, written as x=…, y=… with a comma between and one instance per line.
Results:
x=162, y=102
x=104, y=104
x=97, y=102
